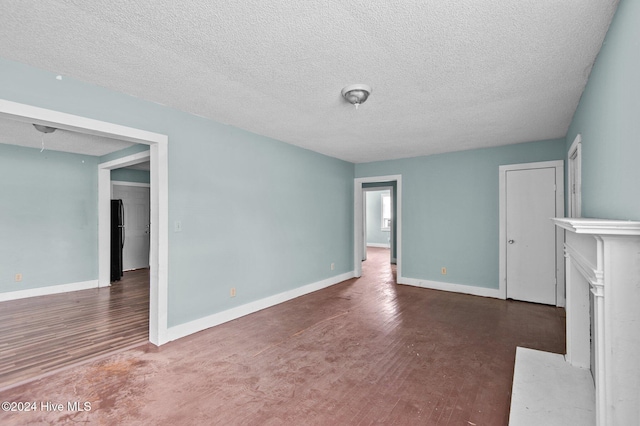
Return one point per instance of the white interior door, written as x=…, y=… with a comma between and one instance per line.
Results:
x=135, y=254
x=531, y=236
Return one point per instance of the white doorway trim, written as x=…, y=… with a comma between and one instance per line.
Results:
x=559, y=170
x=574, y=189
x=158, y=155
x=358, y=227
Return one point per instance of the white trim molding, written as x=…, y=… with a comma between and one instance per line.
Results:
x=454, y=288
x=158, y=156
x=158, y=255
x=502, y=233
x=574, y=187
x=379, y=245
x=45, y=291
x=182, y=330
x=598, y=226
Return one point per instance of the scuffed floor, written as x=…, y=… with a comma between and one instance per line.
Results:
x=361, y=352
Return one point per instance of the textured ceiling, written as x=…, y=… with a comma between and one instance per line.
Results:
x=446, y=76
x=14, y=132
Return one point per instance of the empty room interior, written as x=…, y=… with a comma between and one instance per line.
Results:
x=320, y=212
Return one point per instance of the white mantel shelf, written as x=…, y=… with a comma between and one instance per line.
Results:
x=603, y=264
x=598, y=226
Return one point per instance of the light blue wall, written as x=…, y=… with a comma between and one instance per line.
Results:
x=257, y=214
x=450, y=209
x=126, y=174
x=375, y=234
x=131, y=175
x=260, y=216
x=608, y=118
x=48, y=218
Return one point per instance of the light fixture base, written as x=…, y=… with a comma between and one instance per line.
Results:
x=356, y=94
x=44, y=129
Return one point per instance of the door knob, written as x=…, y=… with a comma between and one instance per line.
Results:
x=511, y=241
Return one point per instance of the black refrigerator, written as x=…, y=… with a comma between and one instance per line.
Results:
x=117, y=238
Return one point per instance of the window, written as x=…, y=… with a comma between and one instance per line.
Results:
x=386, y=212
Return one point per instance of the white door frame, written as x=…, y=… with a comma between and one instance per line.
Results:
x=358, y=223
x=158, y=156
x=559, y=167
x=574, y=189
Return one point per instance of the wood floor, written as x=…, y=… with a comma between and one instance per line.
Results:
x=365, y=351
x=43, y=334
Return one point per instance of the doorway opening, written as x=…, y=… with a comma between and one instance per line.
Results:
x=158, y=157
x=392, y=183
x=130, y=235
x=136, y=210
x=379, y=227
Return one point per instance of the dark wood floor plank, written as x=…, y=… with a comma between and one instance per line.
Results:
x=365, y=351
x=45, y=333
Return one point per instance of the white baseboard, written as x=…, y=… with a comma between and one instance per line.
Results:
x=43, y=291
x=381, y=245
x=200, y=324
x=455, y=288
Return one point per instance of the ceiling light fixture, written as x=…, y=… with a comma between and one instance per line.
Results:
x=356, y=94
x=44, y=129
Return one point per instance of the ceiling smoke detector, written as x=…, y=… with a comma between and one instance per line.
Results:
x=356, y=94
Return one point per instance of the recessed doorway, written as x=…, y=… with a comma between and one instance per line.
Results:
x=158, y=156
x=360, y=186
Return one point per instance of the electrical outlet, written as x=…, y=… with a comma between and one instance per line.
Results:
x=232, y=292
x=444, y=271
x=18, y=277
x=333, y=266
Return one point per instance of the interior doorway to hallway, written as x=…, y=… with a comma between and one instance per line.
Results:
x=158, y=157
x=135, y=198
x=361, y=186
x=378, y=223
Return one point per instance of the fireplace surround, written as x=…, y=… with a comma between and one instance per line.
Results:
x=603, y=257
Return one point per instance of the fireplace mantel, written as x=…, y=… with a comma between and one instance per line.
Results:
x=598, y=226
x=603, y=257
